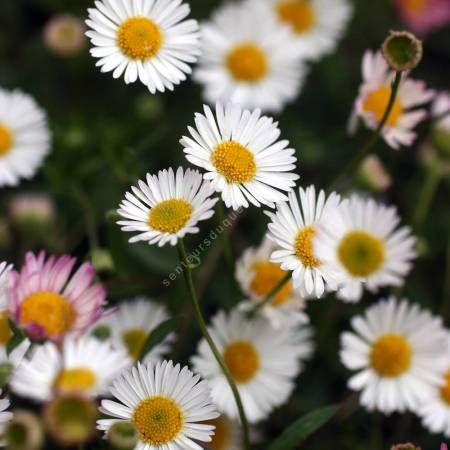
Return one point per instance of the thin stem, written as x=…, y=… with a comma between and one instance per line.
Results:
x=225, y=237
x=201, y=323
x=353, y=164
x=426, y=195
x=272, y=293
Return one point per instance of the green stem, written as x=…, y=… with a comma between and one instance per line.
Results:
x=426, y=195
x=354, y=162
x=272, y=293
x=225, y=237
x=201, y=323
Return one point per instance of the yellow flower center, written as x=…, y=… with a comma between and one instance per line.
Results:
x=242, y=360
x=267, y=276
x=391, y=355
x=5, y=331
x=377, y=102
x=304, y=247
x=6, y=140
x=77, y=379
x=299, y=14
x=170, y=216
x=139, y=38
x=415, y=6
x=360, y=253
x=445, y=388
x=234, y=161
x=54, y=313
x=134, y=340
x=221, y=438
x=247, y=62
x=159, y=420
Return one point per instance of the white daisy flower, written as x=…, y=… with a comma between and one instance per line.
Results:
x=315, y=25
x=83, y=365
x=361, y=242
x=166, y=403
x=258, y=276
x=167, y=207
x=147, y=40
x=263, y=362
x=241, y=153
x=248, y=59
x=227, y=435
x=5, y=416
x=435, y=412
x=24, y=137
x=397, y=349
x=5, y=268
x=131, y=324
x=440, y=110
x=294, y=228
x=373, y=100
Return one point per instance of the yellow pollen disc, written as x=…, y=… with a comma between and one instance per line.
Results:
x=360, y=253
x=134, y=340
x=139, y=38
x=158, y=419
x=267, y=276
x=445, y=388
x=391, y=355
x=5, y=331
x=247, y=62
x=51, y=311
x=304, y=247
x=299, y=14
x=6, y=140
x=242, y=360
x=170, y=216
x=415, y=6
x=376, y=103
x=221, y=438
x=234, y=161
x=75, y=380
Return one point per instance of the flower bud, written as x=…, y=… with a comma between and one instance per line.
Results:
x=24, y=432
x=373, y=175
x=408, y=446
x=402, y=50
x=70, y=419
x=31, y=210
x=123, y=436
x=64, y=35
x=102, y=260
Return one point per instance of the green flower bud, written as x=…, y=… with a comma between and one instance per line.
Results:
x=402, y=50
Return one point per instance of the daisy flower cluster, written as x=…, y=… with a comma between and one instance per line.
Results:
x=94, y=345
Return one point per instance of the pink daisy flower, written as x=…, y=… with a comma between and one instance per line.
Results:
x=48, y=302
x=373, y=100
x=423, y=16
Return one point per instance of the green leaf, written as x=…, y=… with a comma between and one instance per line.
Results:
x=297, y=432
x=157, y=336
x=14, y=342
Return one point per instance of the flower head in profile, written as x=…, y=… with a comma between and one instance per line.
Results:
x=24, y=137
x=147, y=40
x=396, y=347
x=424, y=16
x=373, y=100
x=168, y=405
x=263, y=362
x=293, y=228
x=315, y=25
x=435, y=413
x=49, y=302
x=362, y=243
x=132, y=322
x=241, y=153
x=249, y=59
x=258, y=276
x=167, y=206
x=82, y=366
